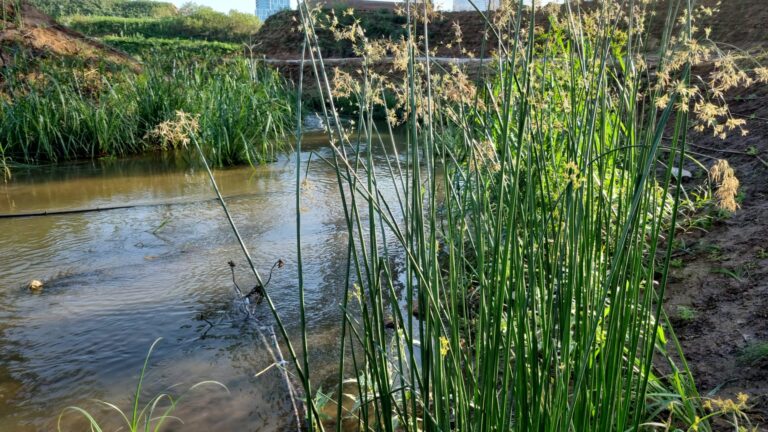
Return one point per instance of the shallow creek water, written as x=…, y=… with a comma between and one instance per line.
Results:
x=117, y=280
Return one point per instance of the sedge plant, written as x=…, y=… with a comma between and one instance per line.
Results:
x=534, y=211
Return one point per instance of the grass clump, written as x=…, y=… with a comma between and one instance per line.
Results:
x=124, y=8
x=67, y=109
x=195, y=22
x=686, y=313
x=148, y=48
x=754, y=352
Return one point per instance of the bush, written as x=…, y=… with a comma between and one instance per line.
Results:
x=138, y=9
x=99, y=26
x=122, y=8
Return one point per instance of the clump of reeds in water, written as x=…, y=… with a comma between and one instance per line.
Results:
x=67, y=109
x=535, y=204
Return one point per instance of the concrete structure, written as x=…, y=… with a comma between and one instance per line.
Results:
x=465, y=5
x=267, y=8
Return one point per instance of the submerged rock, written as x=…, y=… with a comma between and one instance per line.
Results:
x=35, y=286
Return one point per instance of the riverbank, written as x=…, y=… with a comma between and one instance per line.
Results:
x=64, y=96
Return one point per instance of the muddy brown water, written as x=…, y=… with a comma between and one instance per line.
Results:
x=117, y=280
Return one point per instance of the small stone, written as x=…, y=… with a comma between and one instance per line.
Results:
x=416, y=311
x=390, y=323
x=35, y=285
x=685, y=173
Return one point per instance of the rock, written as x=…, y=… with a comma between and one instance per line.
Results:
x=685, y=173
x=416, y=311
x=390, y=323
x=35, y=286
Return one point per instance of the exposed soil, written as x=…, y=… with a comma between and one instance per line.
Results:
x=738, y=22
x=722, y=274
x=35, y=33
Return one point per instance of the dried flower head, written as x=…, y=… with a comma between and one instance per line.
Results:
x=727, y=185
x=175, y=133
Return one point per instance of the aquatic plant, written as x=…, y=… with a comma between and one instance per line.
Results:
x=61, y=110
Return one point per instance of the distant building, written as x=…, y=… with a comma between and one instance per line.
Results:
x=267, y=8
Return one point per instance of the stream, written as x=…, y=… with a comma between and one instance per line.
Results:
x=116, y=280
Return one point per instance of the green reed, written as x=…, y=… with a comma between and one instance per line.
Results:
x=61, y=110
x=532, y=214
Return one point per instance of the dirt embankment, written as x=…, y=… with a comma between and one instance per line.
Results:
x=25, y=30
x=742, y=23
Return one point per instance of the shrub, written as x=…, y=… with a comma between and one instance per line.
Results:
x=152, y=47
x=139, y=9
x=122, y=8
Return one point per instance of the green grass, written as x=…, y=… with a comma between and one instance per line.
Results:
x=528, y=212
x=677, y=263
x=754, y=352
x=132, y=8
x=149, y=48
x=68, y=110
x=686, y=313
x=200, y=24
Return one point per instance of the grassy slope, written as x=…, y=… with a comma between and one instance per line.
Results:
x=65, y=96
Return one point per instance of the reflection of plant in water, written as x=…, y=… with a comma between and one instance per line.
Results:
x=148, y=417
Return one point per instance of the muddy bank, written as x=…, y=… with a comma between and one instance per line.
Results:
x=718, y=293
